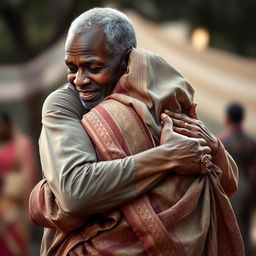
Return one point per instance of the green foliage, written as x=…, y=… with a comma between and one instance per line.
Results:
x=6, y=44
x=231, y=23
x=29, y=26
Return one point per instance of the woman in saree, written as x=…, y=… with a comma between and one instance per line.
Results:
x=180, y=215
x=17, y=177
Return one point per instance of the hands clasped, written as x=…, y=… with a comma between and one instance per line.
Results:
x=190, y=141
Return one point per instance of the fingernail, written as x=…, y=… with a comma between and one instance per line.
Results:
x=168, y=112
x=163, y=115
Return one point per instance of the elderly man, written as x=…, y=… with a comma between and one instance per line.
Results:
x=78, y=200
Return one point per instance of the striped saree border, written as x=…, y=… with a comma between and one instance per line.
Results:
x=158, y=233
x=104, y=133
x=149, y=229
x=104, y=129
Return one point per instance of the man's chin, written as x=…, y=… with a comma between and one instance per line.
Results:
x=91, y=104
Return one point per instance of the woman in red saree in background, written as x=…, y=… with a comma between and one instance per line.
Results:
x=181, y=215
x=17, y=177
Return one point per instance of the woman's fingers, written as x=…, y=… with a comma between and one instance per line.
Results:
x=192, y=111
x=189, y=130
x=185, y=122
x=193, y=128
x=181, y=117
x=188, y=126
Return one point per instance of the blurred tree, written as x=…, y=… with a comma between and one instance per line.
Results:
x=27, y=28
x=230, y=23
x=31, y=26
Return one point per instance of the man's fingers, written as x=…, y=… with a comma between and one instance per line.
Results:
x=203, y=142
x=205, y=164
x=206, y=150
x=167, y=130
x=166, y=121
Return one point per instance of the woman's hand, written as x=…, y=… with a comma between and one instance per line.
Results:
x=193, y=127
x=191, y=155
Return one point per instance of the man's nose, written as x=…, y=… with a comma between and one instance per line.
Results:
x=81, y=78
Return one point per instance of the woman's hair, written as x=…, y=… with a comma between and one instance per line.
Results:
x=119, y=31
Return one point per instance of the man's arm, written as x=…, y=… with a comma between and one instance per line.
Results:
x=69, y=161
x=84, y=186
x=44, y=210
x=55, y=209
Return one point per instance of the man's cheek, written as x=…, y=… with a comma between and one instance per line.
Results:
x=71, y=78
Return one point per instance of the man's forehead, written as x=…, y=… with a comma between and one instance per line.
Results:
x=93, y=38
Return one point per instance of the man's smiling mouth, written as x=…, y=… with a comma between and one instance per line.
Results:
x=89, y=95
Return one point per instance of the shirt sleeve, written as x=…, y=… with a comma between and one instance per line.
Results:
x=225, y=162
x=69, y=161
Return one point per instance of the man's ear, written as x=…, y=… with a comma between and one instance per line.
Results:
x=125, y=59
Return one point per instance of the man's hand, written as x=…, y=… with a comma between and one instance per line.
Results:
x=186, y=151
x=193, y=127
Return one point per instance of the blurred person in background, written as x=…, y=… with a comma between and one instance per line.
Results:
x=17, y=177
x=242, y=148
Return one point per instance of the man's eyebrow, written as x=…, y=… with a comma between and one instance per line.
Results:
x=86, y=62
x=69, y=62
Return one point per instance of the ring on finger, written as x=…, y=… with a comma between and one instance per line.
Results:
x=205, y=164
x=186, y=125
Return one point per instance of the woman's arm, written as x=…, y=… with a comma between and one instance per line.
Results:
x=193, y=127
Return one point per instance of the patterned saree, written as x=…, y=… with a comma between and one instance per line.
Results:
x=187, y=215
x=13, y=221
x=180, y=215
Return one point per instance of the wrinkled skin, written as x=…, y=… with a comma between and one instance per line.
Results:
x=186, y=151
x=191, y=126
x=92, y=69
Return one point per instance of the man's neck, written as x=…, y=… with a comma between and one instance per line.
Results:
x=90, y=105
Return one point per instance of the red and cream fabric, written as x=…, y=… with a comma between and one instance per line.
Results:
x=180, y=215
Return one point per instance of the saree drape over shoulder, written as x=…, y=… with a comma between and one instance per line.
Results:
x=180, y=215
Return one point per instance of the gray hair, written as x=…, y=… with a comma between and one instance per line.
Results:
x=119, y=31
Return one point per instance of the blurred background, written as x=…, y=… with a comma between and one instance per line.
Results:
x=211, y=42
